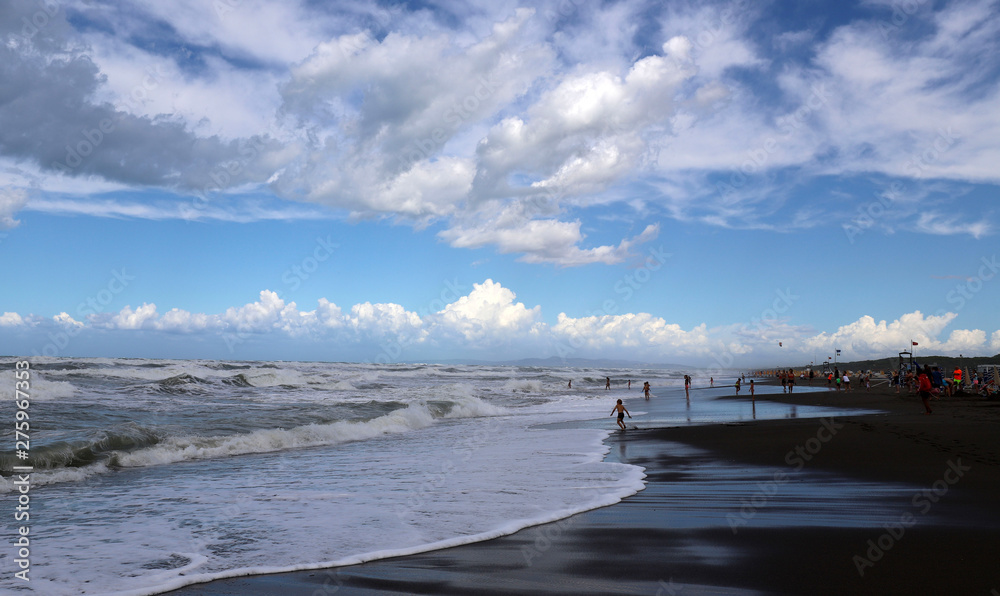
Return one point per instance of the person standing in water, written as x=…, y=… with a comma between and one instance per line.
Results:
x=607, y=382
x=621, y=413
x=687, y=386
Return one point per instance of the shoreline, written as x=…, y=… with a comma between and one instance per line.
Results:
x=876, y=503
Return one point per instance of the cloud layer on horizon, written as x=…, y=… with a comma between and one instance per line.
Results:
x=489, y=322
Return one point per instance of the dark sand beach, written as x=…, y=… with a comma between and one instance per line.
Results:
x=893, y=502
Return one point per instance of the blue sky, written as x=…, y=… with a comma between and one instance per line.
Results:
x=682, y=182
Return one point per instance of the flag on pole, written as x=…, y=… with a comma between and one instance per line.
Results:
x=913, y=342
x=838, y=352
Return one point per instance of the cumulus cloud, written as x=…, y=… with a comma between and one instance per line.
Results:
x=489, y=318
x=11, y=201
x=866, y=337
x=641, y=331
x=65, y=320
x=488, y=310
x=11, y=319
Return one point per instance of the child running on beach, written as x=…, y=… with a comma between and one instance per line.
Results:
x=621, y=413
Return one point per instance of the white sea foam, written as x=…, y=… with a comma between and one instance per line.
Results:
x=55, y=476
x=524, y=386
x=39, y=387
x=269, y=377
x=461, y=461
x=177, y=449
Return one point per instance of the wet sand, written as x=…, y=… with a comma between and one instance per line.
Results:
x=892, y=502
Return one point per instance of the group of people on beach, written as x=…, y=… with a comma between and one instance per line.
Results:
x=941, y=384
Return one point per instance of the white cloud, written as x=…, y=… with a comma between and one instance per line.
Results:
x=12, y=200
x=639, y=331
x=11, y=319
x=384, y=320
x=65, y=320
x=936, y=223
x=183, y=321
x=865, y=338
x=134, y=319
x=256, y=317
x=469, y=113
x=489, y=311
x=489, y=318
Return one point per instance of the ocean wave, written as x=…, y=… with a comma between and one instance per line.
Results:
x=40, y=388
x=182, y=383
x=99, y=447
x=176, y=449
x=524, y=386
x=132, y=446
x=273, y=378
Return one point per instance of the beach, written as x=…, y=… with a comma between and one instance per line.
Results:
x=889, y=502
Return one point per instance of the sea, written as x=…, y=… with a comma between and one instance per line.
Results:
x=147, y=475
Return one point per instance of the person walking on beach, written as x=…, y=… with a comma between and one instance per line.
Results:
x=751, y=389
x=791, y=380
x=711, y=381
x=924, y=388
x=737, y=385
x=607, y=382
x=621, y=413
x=687, y=386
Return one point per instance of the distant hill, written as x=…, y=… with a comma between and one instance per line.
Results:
x=944, y=362
x=556, y=361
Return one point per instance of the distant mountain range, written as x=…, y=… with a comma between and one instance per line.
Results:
x=556, y=361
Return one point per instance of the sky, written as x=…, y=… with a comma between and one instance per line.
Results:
x=714, y=184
